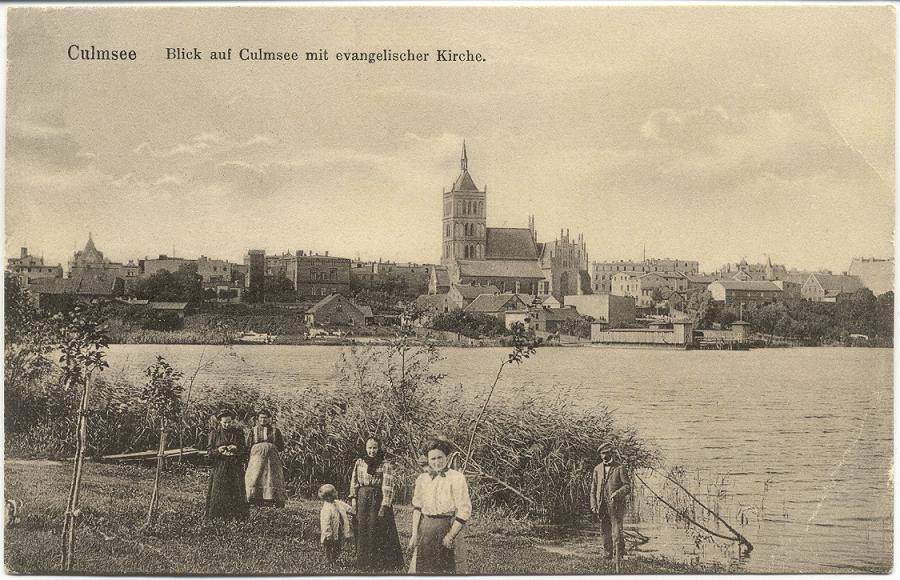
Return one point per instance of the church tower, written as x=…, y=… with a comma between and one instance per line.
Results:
x=464, y=219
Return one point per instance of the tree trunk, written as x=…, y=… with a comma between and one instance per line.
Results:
x=68, y=534
x=154, y=499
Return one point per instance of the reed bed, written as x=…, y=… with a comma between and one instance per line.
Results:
x=531, y=458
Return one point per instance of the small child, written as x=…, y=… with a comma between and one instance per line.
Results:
x=334, y=521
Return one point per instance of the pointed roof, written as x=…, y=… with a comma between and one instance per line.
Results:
x=90, y=254
x=487, y=303
x=464, y=182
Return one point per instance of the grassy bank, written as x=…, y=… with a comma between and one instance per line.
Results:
x=111, y=541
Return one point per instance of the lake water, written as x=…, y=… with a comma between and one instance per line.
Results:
x=798, y=440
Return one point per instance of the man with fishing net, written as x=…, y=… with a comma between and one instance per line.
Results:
x=610, y=486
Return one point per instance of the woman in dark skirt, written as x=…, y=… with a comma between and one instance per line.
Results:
x=372, y=497
x=226, y=497
x=441, y=507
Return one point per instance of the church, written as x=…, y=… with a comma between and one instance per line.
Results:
x=475, y=254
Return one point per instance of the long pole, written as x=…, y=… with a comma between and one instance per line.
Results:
x=68, y=557
x=160, y=459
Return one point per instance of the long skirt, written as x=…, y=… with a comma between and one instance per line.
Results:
x=431, y=555
x=377, y=543
x=459, y=556
x=265, y=478
x=225, y=497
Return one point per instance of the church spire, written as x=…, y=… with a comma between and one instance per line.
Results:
x=464, y=161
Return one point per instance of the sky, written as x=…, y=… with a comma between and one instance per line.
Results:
x=711, y=133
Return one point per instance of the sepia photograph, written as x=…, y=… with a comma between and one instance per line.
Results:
x=482, y=289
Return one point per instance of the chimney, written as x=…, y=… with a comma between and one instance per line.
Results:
x=326, y=253
x=24, y=252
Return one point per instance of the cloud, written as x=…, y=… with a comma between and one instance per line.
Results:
x=251, y=181
x=47, y=143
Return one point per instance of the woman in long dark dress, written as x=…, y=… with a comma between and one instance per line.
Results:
x=225, y=497
x=372, y=496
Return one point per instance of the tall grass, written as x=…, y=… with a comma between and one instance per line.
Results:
x=531, y=457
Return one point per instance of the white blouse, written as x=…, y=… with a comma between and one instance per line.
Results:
x=446, y=494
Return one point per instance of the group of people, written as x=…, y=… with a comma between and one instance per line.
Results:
x=441, y=502
x=231, y=488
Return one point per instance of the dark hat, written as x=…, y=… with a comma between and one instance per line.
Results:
x=606, y=446
x=225, y=413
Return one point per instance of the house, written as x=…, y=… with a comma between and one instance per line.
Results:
x=461, y=295
x=643, y=287
x=336, y=309
x=734, y=292
x=90, y=259
x=700, y=281
x=177, y=308
x=28, y=268
x=508, y=308
x=552, y=319
x=436, y=303
x=609, y=309
x=602, y=272
x=547, y=301
x=829, y=287
x=55, y=294
x=224, y=292
x=438, y=280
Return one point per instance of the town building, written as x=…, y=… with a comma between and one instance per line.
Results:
x=152, y=266
x=602, y=272
x=213, y=270
x=408, y=278
x=603, y=307
x=647, y=288
x=311, y=274
x=876, y=274
x=736, y=292
x=90, y=259
x=461, y=295
x=86, y=286
x=508, y=308
x=337, y=310
x=746, y=272
x=700, y=282
x=564, y=262
x=255, y=262
x=821, y=287
x=438, y=279
x=476, y=254
x=321, y=275
x=224, y=292
x=27, y=268
x=551, y=319
x=435, y=303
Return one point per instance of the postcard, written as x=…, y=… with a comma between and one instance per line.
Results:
x=484, y=289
